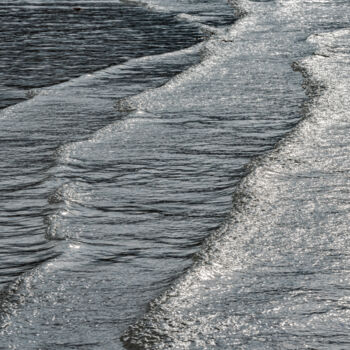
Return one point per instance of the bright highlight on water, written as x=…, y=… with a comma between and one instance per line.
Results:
x=174, y=174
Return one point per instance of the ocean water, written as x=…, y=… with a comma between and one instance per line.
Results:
x=174, y=174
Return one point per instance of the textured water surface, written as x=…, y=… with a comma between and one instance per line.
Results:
x=129, y=173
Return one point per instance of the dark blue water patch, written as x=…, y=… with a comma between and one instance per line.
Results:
x=46, y=44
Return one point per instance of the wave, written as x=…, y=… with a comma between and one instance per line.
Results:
x=32, y=131
x=130, y=114
x=78, y=109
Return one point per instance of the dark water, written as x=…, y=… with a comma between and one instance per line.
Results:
x=48, y=42
x=137, y=138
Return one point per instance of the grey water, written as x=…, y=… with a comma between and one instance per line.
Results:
x=174, y=175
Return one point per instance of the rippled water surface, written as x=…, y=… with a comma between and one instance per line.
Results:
x=191, y=153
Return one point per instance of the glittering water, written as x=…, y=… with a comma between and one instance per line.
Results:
x=130, y=174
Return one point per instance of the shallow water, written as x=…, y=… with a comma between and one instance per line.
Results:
x=112, y=179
